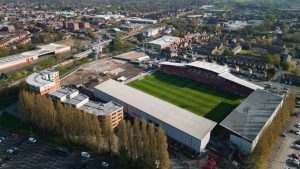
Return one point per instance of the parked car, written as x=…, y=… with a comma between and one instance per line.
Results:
x=297, y=132
x=283, y=135
x=295, y=162
x=9, y=151
x=296, y=156
x=297, y=146
x=87, y=155
x=104, y=164
x=31, y=140
x=2, y=139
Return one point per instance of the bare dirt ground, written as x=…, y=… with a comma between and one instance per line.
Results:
x=73, y=42
x=96, y=72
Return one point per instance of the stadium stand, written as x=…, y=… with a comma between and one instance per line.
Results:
x=211, y=74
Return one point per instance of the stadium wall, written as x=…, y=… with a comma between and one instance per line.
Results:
x=171, y=131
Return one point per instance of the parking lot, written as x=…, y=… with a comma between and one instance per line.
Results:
x=281, y=156
x=29, y=155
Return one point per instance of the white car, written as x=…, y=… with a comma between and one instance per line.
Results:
x=9, y=151
x=85, y=154
x=295, y=162
x=297, y=132
x=104, y=164
x=31, y=140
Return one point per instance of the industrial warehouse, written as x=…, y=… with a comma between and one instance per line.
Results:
x=181, y=125
x=27, y=57
x=247, y=121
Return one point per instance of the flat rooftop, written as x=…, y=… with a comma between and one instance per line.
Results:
x=76, y=100
x=100, y=108
x=62, y=92
x=249, y=118
x=131, y=25
x=135, y=19
x=97, y=108
x=164, y=40
x=168, y=113
x=39, y=79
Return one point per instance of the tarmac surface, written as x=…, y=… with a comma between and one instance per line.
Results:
x=284, y=147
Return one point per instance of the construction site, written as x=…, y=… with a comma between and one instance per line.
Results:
x=92, y=74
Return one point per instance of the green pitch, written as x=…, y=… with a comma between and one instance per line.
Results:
x=204, y=100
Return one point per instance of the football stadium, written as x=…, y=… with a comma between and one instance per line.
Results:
x=201, y=99
x=189, y=99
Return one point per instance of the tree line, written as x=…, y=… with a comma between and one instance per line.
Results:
x=144, y=145
x=137, y=144
x=10, y=51
x=73, y=124
x=258, y=158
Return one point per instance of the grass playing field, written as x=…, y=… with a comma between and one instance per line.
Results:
x=204, y=100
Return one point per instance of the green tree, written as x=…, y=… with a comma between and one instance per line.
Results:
x=123, y=137
x=163, y=155
x=286, y=65
x=153, y=142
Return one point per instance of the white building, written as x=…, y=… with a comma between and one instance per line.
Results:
x=248, y=121
x=183, y=126
x=151, y=32
x=157, y=45
x=43, y=82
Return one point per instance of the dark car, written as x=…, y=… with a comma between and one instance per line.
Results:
x=283, y=135
x=8, y=158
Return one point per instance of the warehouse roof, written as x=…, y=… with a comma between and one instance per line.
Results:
x=164, y=40
x=44, y=49
x=249, y=118
x=177, y=117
